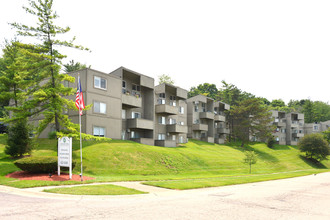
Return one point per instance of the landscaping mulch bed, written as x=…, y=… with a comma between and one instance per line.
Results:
x=22, y=175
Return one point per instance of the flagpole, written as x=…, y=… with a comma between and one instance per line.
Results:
x=81, y=164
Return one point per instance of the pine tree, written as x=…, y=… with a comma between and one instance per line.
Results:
x=47, y=94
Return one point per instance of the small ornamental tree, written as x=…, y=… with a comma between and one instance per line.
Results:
x=271, y=142
x=314, y=146
x=250, y=158
x=18, y=142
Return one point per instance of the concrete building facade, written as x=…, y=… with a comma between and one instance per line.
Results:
x=206, y=119
x=316, y=127
x=289, y=127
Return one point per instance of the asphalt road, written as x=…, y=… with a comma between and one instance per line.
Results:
x=296, y=198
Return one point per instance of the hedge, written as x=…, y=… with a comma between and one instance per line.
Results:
x=39, y=164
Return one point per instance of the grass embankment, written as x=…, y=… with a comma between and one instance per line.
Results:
x=195, y=164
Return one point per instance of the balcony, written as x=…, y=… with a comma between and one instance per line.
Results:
x=165, y=143
x=167, y=109
x=132, y=101
x=175, y=128
x=223, y=130
x=140, y=123
x=219, y=118
x=208, y=139
x=200, y=127
x=206, y=115
x=280, y=124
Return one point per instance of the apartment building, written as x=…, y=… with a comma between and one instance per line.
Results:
x=221, y=129
x=316, y=127
x=170, y=115
x=127, y=105
x=104, y=92
x=137, y=106
x=206, y=119
x=289, y=127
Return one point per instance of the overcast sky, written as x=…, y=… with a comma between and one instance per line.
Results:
x=276, y=49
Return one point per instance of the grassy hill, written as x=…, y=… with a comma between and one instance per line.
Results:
x=125, y=160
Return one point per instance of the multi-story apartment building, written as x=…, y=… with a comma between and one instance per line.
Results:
x=206, y=119
x=126, y=105
x=170, y=115
x=316, y=127
x=289, y=127
x=221, y=129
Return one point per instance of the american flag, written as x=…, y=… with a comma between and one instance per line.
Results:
x=79, y=98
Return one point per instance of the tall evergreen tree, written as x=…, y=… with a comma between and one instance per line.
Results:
x=251, y=118
x=46, y=96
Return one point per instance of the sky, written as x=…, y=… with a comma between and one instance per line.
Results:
x=277, y=49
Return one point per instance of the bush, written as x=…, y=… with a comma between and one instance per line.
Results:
x=39, y=164
x=18, y=142
x=271, y=142
x=315, y=146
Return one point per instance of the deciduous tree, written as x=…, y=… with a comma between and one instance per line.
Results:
x=314, y=146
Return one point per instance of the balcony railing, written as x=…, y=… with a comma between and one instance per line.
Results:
x=132, y=100
x=140, y=123
x=176, y=128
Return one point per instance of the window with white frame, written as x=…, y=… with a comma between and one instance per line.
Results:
x=181, y=123
x=98, y=131
x=161, y=136
x=136, y=90
x=123, y=113
x=181, y=110
x=161, y=120
x=100, y=107
x=316, y=128
x=196, y=107
x=203, y=107
x=277, y=139
x=100, y=83
x=136, y=115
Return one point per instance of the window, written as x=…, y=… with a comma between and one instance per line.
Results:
x=136, y=115
x=196, y=108
x=173, y=137
x=277, y=139
x=134, y=134
x=315, y=128
x=100, y=83
x=161, y=120
x=283, y=130
x=161, y=136
x=100, y=107
x=98, y=131
x=277, y=120
x=172, y=100
x=161, y=100
x=181, y=123
x=203, y=107
x=136, y=88
x=171, y=121
x=196, y=121
x=124, y=87
x=123, y=113
x=181, y=110
x=181, y=139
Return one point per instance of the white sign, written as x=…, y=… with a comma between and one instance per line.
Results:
x=65, y=154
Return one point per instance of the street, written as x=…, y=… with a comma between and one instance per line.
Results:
x=295, y=198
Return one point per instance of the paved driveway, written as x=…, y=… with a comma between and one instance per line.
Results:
x=296, y=198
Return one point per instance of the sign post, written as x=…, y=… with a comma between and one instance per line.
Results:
x=64, y=154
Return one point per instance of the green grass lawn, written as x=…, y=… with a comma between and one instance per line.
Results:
x=107, y=189
x=195, y=162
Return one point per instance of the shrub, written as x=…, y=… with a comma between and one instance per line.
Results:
x=315, y=146
x=18, y=142
x=52, y=135
x=271, y=142
x=39, y=164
